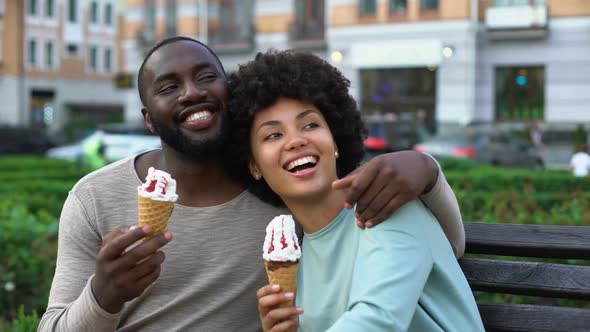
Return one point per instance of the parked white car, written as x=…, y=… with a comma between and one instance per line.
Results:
x=118, y=145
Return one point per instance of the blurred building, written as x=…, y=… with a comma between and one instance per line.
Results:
x=58, y=60
x=412, y=63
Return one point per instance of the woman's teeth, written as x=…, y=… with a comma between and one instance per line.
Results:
x=302, y=161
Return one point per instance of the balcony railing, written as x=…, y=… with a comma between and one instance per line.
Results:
x=523, y=19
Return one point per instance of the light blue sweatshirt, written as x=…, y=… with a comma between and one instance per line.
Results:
x=399, y=276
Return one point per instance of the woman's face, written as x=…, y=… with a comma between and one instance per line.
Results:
x=293, y=149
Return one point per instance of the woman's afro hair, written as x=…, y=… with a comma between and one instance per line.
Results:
x=301, y=76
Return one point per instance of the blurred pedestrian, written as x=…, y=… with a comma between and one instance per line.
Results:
x=94, y=155
x=537, y=133
x=580, y=162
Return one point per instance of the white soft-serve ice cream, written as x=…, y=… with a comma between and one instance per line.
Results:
x=281, y=243
x=159, y=186
x=281, y=253
x=156, y=199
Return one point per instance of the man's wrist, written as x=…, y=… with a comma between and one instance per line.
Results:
x=110, y=306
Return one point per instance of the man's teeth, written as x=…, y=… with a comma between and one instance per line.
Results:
x=198, y=116
x=302, y=161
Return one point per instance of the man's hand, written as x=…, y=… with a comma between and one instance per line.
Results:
x=385, y=183
x=122, y=274
x=273, y=318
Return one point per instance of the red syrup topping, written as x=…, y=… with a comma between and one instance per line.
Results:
x=272, y=240
x=152, y=186
x=165, y=184
x=283, y=239
x=295, y=243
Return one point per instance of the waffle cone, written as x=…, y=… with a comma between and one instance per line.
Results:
x=283, y=274
x=154, y=213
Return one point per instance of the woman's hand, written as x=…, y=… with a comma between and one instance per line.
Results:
x=274, y=318
x=385, y=183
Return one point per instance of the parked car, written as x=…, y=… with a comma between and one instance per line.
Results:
x=119, y=142
x=485, y=145
x=23, y=140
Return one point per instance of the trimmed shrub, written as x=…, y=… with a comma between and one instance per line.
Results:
x=28, y=248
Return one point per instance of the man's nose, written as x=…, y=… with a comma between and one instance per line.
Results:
x=192, y=92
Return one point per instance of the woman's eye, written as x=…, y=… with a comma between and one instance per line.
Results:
x=272, y=136
x=311, y=125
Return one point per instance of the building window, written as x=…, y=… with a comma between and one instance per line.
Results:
x=171, y=18
x=520, y=93
x=236, y=22
x=49, y=54
x=32, y=7
x=72, y=49
x=398, y=6
x=108, y=60
x=309, y=20
x=108, y=14
x=399, y=104
x=32, y=52
x=93, y=58
x=72, y=11
x=49, y=8
x=94, y=12
x=368, y=7
x=429, y=4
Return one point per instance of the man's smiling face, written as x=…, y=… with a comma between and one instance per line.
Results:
x=186, y=93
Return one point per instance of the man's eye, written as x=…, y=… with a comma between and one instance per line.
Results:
x=207, y=77
x=272, y=136
x=167, y=88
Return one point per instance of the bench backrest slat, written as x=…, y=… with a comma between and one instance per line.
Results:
x=504, y=317
x=528, y=278
x=570, y=280
x=528, y=240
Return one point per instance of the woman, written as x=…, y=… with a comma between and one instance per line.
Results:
x=304, y=131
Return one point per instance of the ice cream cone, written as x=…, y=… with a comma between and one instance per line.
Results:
x=283, y=274
x=154, y=213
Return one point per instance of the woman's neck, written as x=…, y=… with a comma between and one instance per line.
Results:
x=315, y=213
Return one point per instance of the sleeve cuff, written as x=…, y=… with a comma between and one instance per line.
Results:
x=91, y=303
x=440, y=178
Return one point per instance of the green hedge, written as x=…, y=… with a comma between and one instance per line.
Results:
x=522, y=196
x=28, y=243
x=33, y=190
x=36, y=163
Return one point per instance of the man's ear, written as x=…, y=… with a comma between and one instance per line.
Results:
x=254, y=170
x=148, y=120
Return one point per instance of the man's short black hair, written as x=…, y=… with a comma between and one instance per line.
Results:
x=302, y=76
x=155, y=48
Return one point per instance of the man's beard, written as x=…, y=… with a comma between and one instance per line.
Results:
x=201, y=150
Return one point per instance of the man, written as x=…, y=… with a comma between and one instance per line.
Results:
x=105, y=281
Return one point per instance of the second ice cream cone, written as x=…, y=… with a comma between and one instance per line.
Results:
x=283, y=274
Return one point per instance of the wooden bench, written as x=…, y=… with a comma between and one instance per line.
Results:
x=548, y=280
